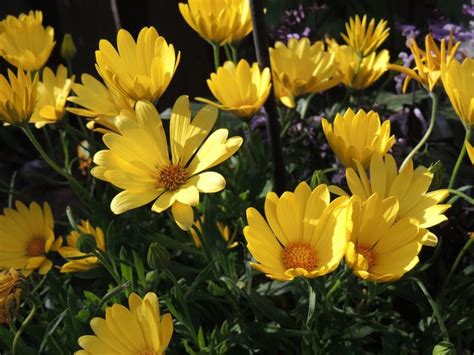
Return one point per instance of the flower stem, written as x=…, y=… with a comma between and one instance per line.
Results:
x=434, y=110
x=273, y=126
x=454, y=174
x=215, y=51
x=75, y=185
x=457, y=261
x=434, y=307
x=20, y=331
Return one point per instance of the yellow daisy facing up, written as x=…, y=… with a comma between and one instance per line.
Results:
x=138, y=161
x=383, y=246
x=17, y=97
x=458, y=82
x=53, y=92
x=138, y=329
x=219, y=22
x=357, y=136
x=140, y=70
x=363, y=38
x=100, y=104
x=24, y=42
x=304, y=234
x=428, y=62
x=300, y=67
x=410, y=186
x=240, y=89
x=26, y=236
x=72, y=253
x=359, y=72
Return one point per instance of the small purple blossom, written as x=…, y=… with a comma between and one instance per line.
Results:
x=292, y=25
x=410, y=32
x=468, y=9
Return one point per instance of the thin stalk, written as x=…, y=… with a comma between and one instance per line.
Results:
x=462, y=195
x=227, y=52
x=23, y=326
x=215, y=52
x=454, y=174
x=434, y=307
x=434, y=110
x=75, y=185
x=233, y=50
x=260, y=38
x=457, y=261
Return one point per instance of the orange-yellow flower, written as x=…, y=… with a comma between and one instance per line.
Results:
x=10, y=293
x=363, y=38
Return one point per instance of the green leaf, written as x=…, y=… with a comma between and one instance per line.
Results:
x=51, y=328
x=139, y=268
x=268, y=308
x=444, y=348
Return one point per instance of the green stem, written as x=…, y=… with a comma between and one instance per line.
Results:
x=75, y=185
x=457, y=261
x=434, y=110
x=434, y=307
x=454, y=174
x=233, y=50
x=215, y=51
x=20, y=331
x=227, y=52
x=462, y=195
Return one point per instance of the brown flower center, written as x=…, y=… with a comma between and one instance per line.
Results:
x=35, y=247
x=171, y=177
x=299, y=255
x=368, y=254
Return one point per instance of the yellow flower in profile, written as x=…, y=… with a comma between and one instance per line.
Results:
x=240, y=89
x=358, y=72
x=53, y=91
x=26, y=236
x=304, y=234
x=300, y=67
x=140, y=70
x=17, y=97
x=363, y=38
x=410, y=187
x=10, y=294
x=138, y=161
x=99, y=103
x=224, y=231
x=458, y=82
x=428, y=62
x=470, y=151
x=138, y=329
x=73, y=255
x=84, y=157
x=24, y=42
x=220, y=22
x=383, y=246
x=358, y=136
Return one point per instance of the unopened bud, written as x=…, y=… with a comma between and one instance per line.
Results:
x=68, y=48
x=158, y=257
x=86, y=243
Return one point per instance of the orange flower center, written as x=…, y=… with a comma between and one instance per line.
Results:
x=172, y=177
x=35, y=247
x=299, y=255
x=368, y=254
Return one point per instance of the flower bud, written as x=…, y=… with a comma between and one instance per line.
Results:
x=86, y=243
x=68, y=48
x=158, y=257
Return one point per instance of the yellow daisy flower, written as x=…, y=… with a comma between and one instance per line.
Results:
x=458, y=82
x=140, y=70
x=138, y=329
x=240, y=89
x=99, y=103
x=53, y=91
x=72, y=253
x=26, y=236
x=300, y=67
x=304, y=234
x=358, y=72
x=470, y=151
x=17, y=97
x=220, y=22
x=24, y=42
x=363, y=38
x=428, y=62
x=383, y=246
x=137, y=159
x=410, y=186
x=10, y=293
x=357, y=136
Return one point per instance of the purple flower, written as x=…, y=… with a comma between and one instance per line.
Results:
x=292, y=25
x=468, y=9
x=410, y=32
